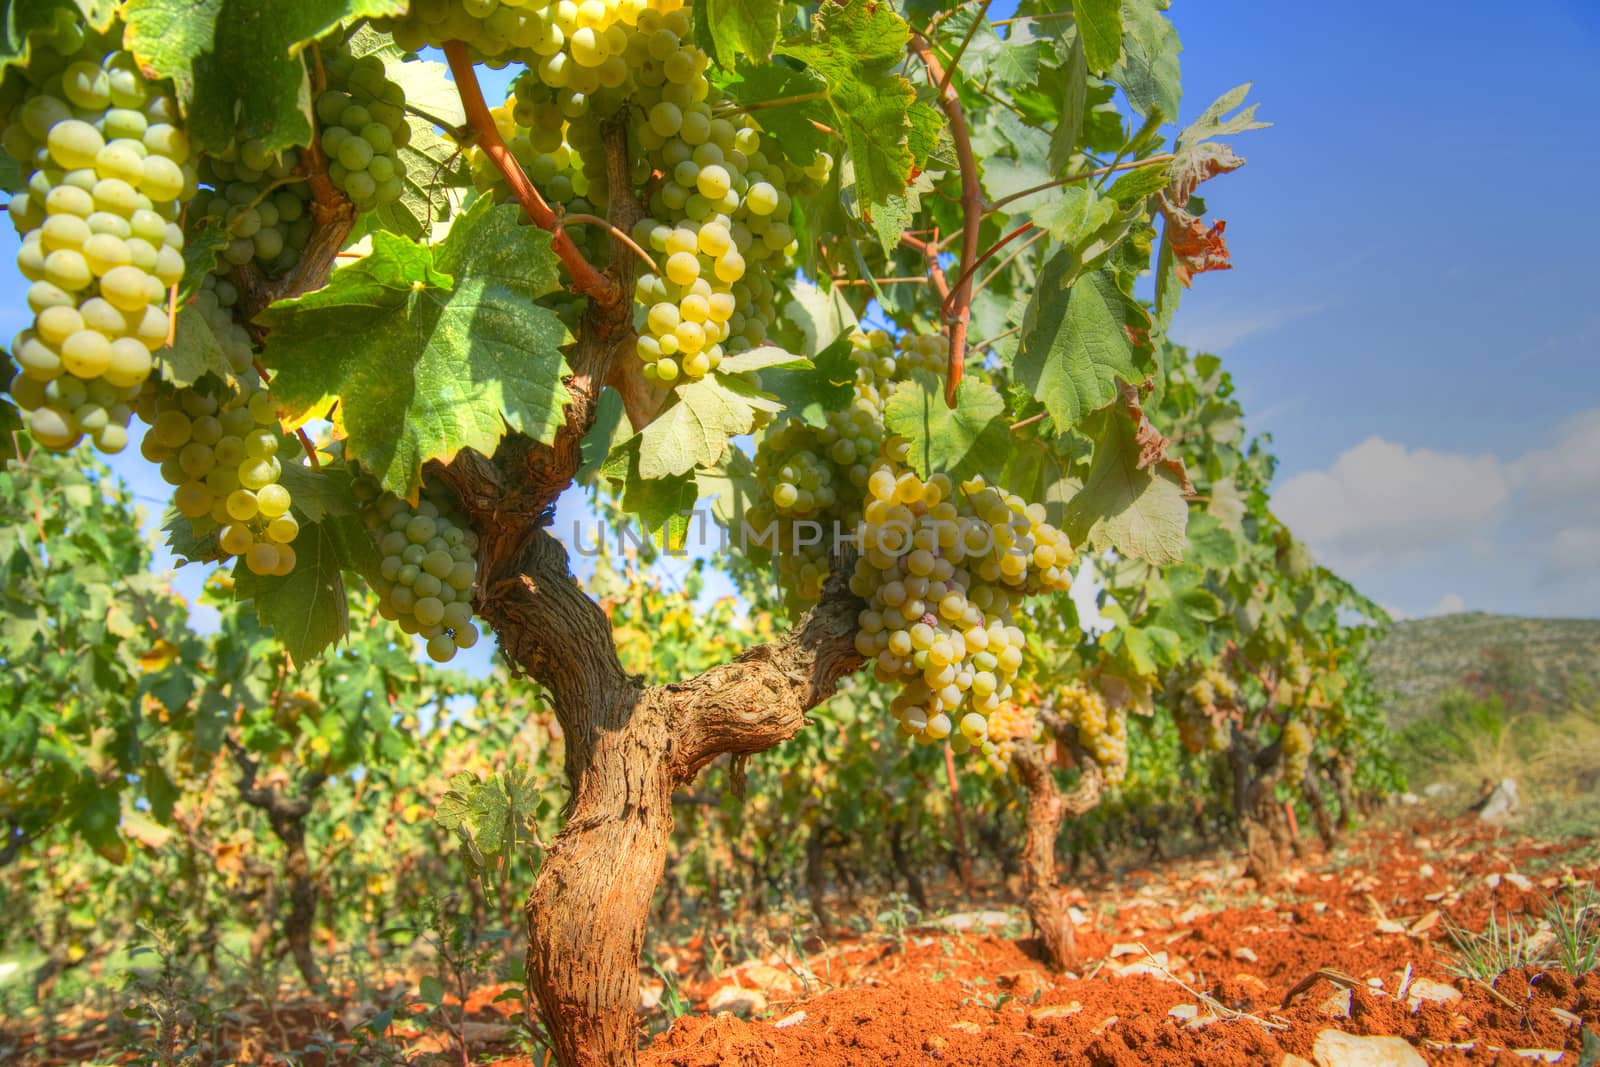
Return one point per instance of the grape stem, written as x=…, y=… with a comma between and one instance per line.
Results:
x=596, y=220
x=299, y=432
x=585, y=277
x=958, y=306
x=961, y=49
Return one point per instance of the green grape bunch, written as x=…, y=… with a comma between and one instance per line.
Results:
x=1102, y=728
x=944, y=566
x=719, y=189
x=108, y=172
x=363, y=129
x=261, y=200
x=1297, y=745
x=1206, y=712
x=219, y=448
x=429, y=567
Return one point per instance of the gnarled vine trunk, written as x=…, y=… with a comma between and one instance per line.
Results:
x=628, y=744
x=1267, y=837
x=287, y=817
x=1047, y=807
x=1311, y=789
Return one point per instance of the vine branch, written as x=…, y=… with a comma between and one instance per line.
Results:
x=586, y=278
x=958, y=306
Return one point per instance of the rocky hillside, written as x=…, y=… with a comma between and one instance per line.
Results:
x=1421, y=659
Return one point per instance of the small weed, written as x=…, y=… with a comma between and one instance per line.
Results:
x=1575, y=922
x=1488, y=955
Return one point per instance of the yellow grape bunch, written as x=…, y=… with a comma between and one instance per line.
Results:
x=219, y=446
x=108, y=171
x=1297, y=744
x=943, y=566
x=1010, y=723
x=719, y=188
x=1102, y=728
x=428, y=569
x=1206, y=712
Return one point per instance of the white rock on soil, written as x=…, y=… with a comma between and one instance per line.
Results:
x=1334, y=1048
x=740, y=1001
x=1426, y=989
x=1245, y=954
x=1503, y=800
x=971, y=920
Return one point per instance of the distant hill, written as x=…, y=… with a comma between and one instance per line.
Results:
x=1422, y=659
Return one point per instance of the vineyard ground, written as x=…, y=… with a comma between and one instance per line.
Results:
x=1182, y=963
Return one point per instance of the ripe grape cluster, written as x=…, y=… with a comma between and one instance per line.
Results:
x=428, y=569
x=1101, y=726
x=363, y=129
x=1207, y=711
x=108, y=172
x=943, y=573
x=721, y=204
x=1008, y=724
x=262, y=201
x=219, y=447
x=821, y=474
x=943, y=566
x=1297, y=742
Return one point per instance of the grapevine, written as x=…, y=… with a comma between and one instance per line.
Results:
x=108, y=173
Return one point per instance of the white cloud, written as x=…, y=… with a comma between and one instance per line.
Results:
x=1568, y=472
x=1380, y=498
x=1518, y=534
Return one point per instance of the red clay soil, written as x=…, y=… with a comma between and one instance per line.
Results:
x=1194, y=968
x=1184, y=964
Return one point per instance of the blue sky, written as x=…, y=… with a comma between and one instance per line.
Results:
x=1411, y=313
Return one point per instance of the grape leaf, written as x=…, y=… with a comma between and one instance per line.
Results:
x=1148, y=70
x=660, y=503
x=428, y=350
x=1006, y=64
x=319, y=493
x=237, y=64
x=1211, y=122
x=1072, y=80
x=307, y=608
x=21, y=18
x=1078, y=342
x=826, y=386
x=194, y=352
x=785, y=101
x=1140, y=513
x=1136, y=185
x=957, y=441
x=855, y=46
x=731, y=487
x=740, y=27
x=694, y=431
x=760, y=358
x=1099, y=24
x=822, y=315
